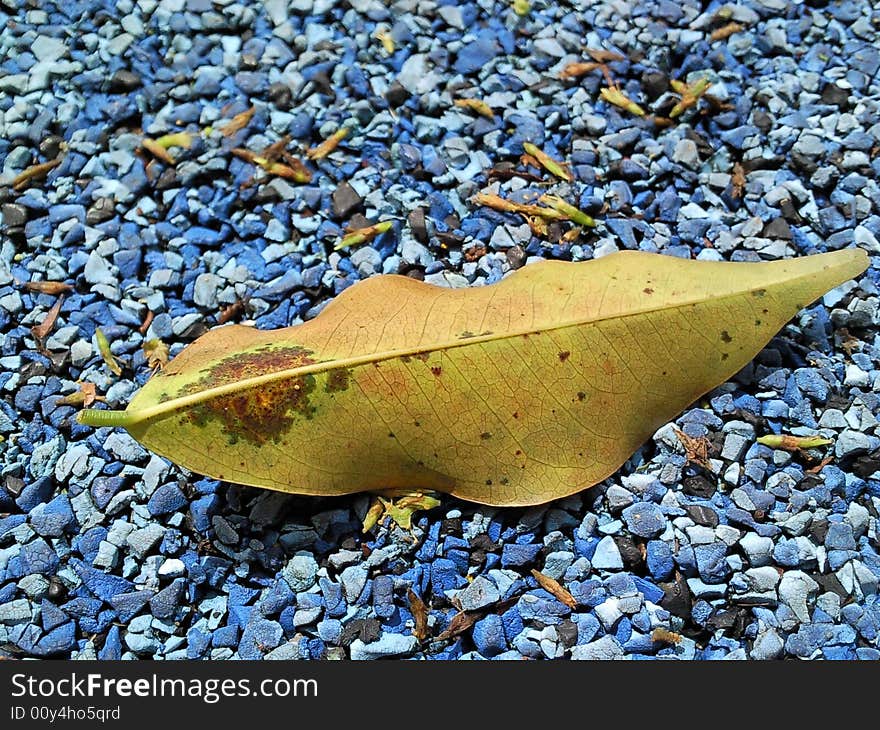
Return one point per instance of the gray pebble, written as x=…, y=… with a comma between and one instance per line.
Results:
x=734, y=446
x=794, y=590
x=287, y=651
x=387, y=645
x=605, y=648
x=852, y=442
x=607, y=555
x=353, y=580
x=15, y=612
x=205, y=290
x=142, y=541
x=480, y=593
x=686, y=153
x=767, y=645
x=98, y=270
x=107, y=556
x=300, y=572
x=618, y=497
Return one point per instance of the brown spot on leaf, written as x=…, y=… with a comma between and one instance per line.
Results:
x=564, y=355
x=485, y=435
x=235, y=368
x=260, y=413
x=337, y=380
x=581, y=395
x=436, y=370
x=725, y=336
x=648, y=290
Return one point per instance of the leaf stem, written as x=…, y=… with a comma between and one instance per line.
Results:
x=100, y=418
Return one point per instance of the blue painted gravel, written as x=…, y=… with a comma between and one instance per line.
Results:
x=729, y=550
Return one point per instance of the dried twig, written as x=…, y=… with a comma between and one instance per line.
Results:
x=34, y=172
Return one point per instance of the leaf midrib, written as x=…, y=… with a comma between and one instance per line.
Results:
x=186, y=401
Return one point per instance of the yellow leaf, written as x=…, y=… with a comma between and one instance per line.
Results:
x=362, y=235
x=690, y=94
x=177, y=139
x=477, y=105
x=547, y=162
x=383, y=35
x=613, y=95
x=157, y=150
x=574, y=214
x=512, y=394
x=106, y=355
x=793, y=443
x=328, y=145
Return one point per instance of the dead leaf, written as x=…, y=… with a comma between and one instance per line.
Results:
x=277, y=149
x=603, y=56
x=737, y=181
x=577, y=69
x=551, y=585
x=690, y=94
x=719, y=34
x=665, y=636
x=158, y=151
x=419, y=611
x=696, y=450
x=328, y=145
x=387, y=387
x=53, y=288
x=41, y=331
x=477, y=105
x=295, y=171
x=232, y=311
x=556, y=209
x=787, y=442
x=85, y=396
x=614, y=95
x=148, y=320
x=239, y=121
x=460, y=623
x=821, y=465
x=34, y=172
x=156, y=353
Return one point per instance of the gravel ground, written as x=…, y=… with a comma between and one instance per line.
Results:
x=744, y=552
